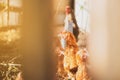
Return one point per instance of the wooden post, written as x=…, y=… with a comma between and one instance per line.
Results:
x=8, y=12
x=37, y=40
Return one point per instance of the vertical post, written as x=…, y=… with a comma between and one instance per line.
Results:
x=37, y=40
x=8, y=12
x=105, y=39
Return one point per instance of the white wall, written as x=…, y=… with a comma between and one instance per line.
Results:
x=82, y=13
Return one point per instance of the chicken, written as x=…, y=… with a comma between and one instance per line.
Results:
x=60, y=68
x=74, y=59
x=69, y=62
x=81, y=58
x=59, y=51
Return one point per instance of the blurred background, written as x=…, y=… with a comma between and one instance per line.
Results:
x=29, y=28
x=10, y=24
